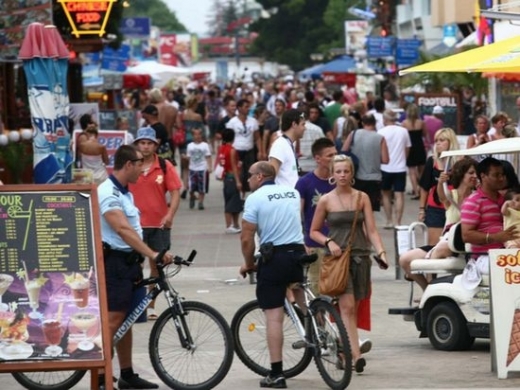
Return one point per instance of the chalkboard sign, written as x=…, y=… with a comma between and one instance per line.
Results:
x=107, y=119
x=52, y=279
x=449, y=102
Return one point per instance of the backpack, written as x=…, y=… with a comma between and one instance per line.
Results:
x=162, y=164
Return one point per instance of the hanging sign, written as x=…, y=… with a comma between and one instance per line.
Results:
x=87, y=17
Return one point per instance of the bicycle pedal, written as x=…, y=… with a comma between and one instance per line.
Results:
x=300, y=344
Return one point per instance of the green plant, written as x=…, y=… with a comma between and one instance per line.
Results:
x=16, y=157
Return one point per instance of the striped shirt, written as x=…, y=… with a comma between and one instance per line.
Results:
x=479, y=211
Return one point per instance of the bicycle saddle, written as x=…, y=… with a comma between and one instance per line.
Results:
x=308, y=259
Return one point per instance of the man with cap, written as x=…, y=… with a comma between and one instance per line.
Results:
x=123, y=250
x=434, y=122
x=159, y=179
x=151, y=117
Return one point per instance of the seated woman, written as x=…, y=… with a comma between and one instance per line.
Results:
x=463, y=178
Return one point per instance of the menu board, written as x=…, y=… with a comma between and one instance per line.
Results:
x=15, y=16
x=51, y=303
x=450, y=104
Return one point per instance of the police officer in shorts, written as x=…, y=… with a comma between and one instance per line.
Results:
x=123, y=252
x=272, y=210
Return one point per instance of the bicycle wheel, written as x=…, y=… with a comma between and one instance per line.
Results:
x=333, y=356
x=47, y=380
x=199, y=366
x=249, y=331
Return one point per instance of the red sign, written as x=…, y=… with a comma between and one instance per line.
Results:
x=167, y=49
x=348, y=79
x=87, y=17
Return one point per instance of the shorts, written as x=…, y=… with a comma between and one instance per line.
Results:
x=359, y=277
x=156, y=238
x=373, y=189
x=198, y=181
x=393, y=181
x=121, y=279
x=213, y=128
x=233, y=203
x=274, y=277
x=434, y=217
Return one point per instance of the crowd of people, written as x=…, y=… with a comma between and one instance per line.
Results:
x=289, y=160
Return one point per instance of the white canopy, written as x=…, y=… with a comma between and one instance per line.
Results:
x=499, y=146
x=161, y=73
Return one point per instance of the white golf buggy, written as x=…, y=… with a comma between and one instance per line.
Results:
x=449, y=314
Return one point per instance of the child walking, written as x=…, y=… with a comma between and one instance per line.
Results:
x=199, y=156
x=227, y=156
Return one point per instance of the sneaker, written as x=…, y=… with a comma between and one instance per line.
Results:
x=152, y=315
x=192, y=203
x=233, y=230
x=365, y=346
x=201, y=206
x=277, y=382
x=134, y=382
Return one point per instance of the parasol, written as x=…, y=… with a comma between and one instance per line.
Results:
x=45, y=63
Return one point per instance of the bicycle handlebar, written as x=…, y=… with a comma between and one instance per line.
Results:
x=177, y=260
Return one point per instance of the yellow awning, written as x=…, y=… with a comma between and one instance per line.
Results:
x=503, y=57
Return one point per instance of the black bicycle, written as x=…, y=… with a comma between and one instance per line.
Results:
x=190, y=345
x=318, y=334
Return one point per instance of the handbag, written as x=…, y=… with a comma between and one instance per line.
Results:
x=334, y=270
x=219, y=172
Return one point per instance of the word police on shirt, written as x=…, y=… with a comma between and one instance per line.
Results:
x=284, y=195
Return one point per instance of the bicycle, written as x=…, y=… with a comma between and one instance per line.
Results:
x=318, y=334
x=188, y=335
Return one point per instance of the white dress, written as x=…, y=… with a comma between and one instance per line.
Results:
x=96, y=166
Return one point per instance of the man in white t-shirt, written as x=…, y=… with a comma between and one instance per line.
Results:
x=246, y=137
x=282, y=154
x=379, y=108
x=394, y=173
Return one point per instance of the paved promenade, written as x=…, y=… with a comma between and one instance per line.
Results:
x=398, y=360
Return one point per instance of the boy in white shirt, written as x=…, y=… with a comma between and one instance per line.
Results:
x=199, y=155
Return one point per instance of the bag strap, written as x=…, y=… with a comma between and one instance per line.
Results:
x=354, y=222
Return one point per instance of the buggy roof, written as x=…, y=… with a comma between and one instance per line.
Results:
x=499, y=146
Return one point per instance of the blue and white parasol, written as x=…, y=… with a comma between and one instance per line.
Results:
x=45, y=63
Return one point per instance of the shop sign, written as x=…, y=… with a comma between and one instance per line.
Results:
x=87, y=17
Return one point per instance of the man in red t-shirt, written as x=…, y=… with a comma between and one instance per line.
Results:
x=157, y=180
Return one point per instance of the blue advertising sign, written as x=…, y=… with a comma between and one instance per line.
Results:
x=116, y=60
x=138, y=27
x=380, y=47
x=407, y=51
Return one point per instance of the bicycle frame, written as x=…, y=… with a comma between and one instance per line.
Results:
x=309, y=297
x=172, y=297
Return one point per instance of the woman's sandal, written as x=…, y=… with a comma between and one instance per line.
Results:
x=406, y=277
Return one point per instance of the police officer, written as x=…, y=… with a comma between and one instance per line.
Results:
x=123, y=249
x=272, y=210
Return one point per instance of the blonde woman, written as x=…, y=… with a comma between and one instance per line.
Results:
x=417, y=156
x=338, y=208
x=431, y=210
